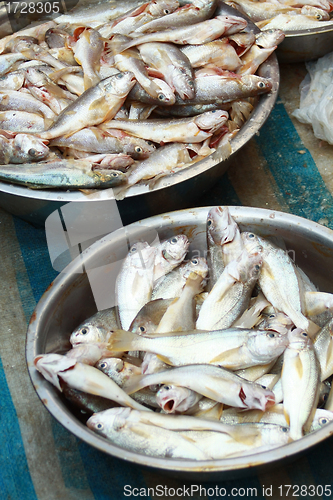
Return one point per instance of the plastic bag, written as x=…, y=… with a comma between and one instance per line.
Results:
x=316, y=104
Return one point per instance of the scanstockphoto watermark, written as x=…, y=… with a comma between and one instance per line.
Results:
x=190, y=491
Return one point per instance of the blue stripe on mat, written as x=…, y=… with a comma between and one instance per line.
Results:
x=108, y=479
x=15, y=480
x=36, y=257
x=295, y=173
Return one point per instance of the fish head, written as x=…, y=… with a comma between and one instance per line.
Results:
x=256, y=85
x=299, y=339
x=166, y=96
x=110, y=365
x=270, y=38
x=321, y=418
x=108, y=421
x=255, y=396
x=50, y=365
x=141, y=256
x=159, y=8
x=30, y=147
x=318, y=13
x=175, y=248
x=88, y=333
x=248, y=267
x=275, y=435
x=196, y=265
x=276, y=321
x=234, y=23
x=119, y=84
x=221, y=227
x=251, y=242
x=212, y=120
x=175, y=399
x=266, y=345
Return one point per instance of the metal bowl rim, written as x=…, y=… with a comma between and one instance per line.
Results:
x=47, y=393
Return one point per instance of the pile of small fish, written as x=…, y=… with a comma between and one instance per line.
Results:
x=148, y=91
x=203, y=358
x=287, y=15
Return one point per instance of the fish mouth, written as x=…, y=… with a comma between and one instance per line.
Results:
x=169, y=405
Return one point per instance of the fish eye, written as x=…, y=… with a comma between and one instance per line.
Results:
x=84, y=331
x=173, y=241
x=261, y=85
x=209, y=222
x=114, y=174
x=119, y=75
x=103, y=365
x=166, y=387
x=257, y=267
x=32, y=152
x=166, y=11
x=284, y=429
x=99, y=426
x=194, y=262
x=161, y=97
x=318, y=16
x=138, y=149
x=271, y=316
x=133, y=249
x=149, y=143
x=323, y=420
x=264, y=387
x=251, y=235
x=304, y=334
x=142, y=329
x=271, y=335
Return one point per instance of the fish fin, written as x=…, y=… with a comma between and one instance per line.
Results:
x=141, y=430
x=329, y=352
x=122, y=340
x=244, y=435
x=286, y=416
x=165, y=359
x=299, y=367
x=312, y=329
x=226, y=357
x=134, y=384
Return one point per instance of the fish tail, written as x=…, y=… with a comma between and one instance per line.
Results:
x=122, y=340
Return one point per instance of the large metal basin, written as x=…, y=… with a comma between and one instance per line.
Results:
x=305, y=45
x=69, y=300
x=175, y=191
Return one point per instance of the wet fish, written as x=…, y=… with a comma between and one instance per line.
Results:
x=95, y=105
x=172, y=284
x=56, y=368
x=144, y=438
x=134, y=283
x=190, y=13
x=173, y=64
x=215, y=383
x=231, y=294
x=15, y=100
x=149, y=316
x=184, y=130
x=300, y=380
x=87, y=52
x=60, y=174
x=231, y=348
x=181, y=313
x=170, y=253
x=323, y=346
x=199, y=33
x=219, y=52
x=96, y=140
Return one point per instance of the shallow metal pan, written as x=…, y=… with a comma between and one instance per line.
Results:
x=175, y=191
x=69, y=300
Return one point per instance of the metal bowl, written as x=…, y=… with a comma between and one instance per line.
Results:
x=69, y=300
x=305, y=45
x=175, y=191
